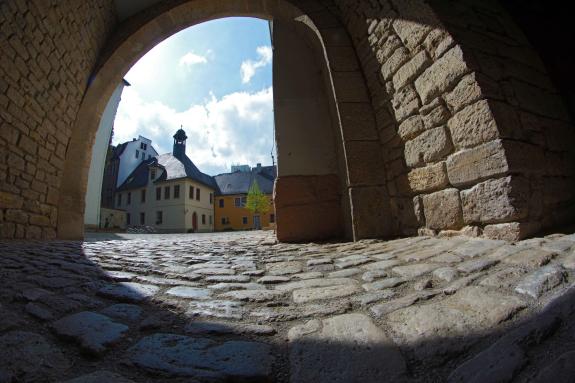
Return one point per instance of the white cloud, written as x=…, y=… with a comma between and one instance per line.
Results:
x=191, y=58
x=249, y=67
x=236, y=128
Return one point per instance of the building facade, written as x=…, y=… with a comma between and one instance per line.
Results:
x=230, y=200
x=169, y=193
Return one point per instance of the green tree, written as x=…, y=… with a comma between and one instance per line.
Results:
x=257, y=202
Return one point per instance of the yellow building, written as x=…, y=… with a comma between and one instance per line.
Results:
x=230, y=199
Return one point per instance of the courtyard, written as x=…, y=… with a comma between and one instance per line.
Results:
x=241, y=307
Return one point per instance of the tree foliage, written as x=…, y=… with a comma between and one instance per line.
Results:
x=257, y=202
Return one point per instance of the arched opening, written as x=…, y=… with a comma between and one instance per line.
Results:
x=312, y=194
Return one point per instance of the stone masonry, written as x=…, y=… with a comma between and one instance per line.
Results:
x=448, y=120
x=240, y=307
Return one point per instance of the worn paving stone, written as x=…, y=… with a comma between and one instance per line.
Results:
x=327, y=292
x=503, y=279
x=223, y=328
x=273, y=279
x=178, y=355
x=94, y=332
x=189, y=292
x=531, y=258
x=39, y=311
x=477, y=247
x=123, y=312
x=345, y=273
x=324, y=352
x=129, y=291
x=319, y=282
x=100, y=377
x=285, y=268
x=469, y=311
x=252, y=295
x=475, y=265
x=382, y=309
x=540, y=281
x=561, y=369
x=446, y=274
x=228, y=278
x=375, y=296
x=29, y=357
x=370, y=276
x=384, y=284
x=214, y=271
x=414, y=271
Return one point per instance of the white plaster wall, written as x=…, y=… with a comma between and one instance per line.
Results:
x=128, y=160
x=94, y=191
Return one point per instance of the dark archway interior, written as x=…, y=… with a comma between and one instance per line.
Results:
x=548, y=25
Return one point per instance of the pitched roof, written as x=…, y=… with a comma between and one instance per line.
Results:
x=240, y=182
x=174, y=168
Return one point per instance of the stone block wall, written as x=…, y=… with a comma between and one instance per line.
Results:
x=474, y=136
x=48, y=49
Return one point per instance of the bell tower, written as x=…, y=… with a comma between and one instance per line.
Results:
x=180, y=138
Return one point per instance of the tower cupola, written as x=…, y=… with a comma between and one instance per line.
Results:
x=180, y=138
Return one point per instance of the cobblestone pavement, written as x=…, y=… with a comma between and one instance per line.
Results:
x=239, y=307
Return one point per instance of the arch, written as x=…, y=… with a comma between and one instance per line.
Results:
x=308, y=194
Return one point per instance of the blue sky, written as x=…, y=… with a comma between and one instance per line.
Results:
x=215, y=79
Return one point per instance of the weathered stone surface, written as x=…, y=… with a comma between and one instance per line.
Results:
x=382, y=309
x=441, y=75
x=381, y=265
x=319, y=352
x=442, y=210
x=189, y=292
x=475, y=265
x=472, y=126
x=321, y=282
x=129, y=291
x=29, y=357
x=383, y=284
x=253, y=295
x=476, y=247
x=218, y=308
x=178, y=355
x=411, y=69
x=511, y=231
x=320, y=293
x=540, y=281
x=447, y=274
x=370, y=276
x=375, y=296
x=273, y=279
x=399, y=56
x=429, y=146
x=123, y=312
x=414, y=271
x=503, y=279
x=465, y=93
x=228, y=278
x=285, y=268
x=496, y=200
x=429, y=178
x=405, y=103
x=223, y=328
x=472, y=165
x=411, y=32
x=530, y=258
x=411, y=128
x=100, y=377
x=94, y=332
x=470, y=309
x=561, y=369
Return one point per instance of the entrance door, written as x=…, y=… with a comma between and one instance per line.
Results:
x=194, y=222
x=257, y=224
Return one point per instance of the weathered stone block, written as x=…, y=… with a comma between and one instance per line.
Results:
x=405, y=103
x=395, y=61
x=434, y=114
x=472, y=165
x=411, y=127
x=441, y=75
x=473, y=125
x=465, y=93
x=387, y=48
x=411, y=32
x=365, y=163
x=411, y=69
x=370, y=212
x=498, y=200
x=438, y=42
x=431, y=145
x=442, y=210
x=429, y=178
x=510, y=231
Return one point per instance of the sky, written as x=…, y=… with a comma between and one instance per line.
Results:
x=214, y=79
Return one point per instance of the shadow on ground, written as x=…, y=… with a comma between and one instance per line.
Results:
x=66, y=317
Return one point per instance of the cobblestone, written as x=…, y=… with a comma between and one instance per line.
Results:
x=221, y=307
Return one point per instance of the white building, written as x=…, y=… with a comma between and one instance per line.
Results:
x=99, y=150
x=131, y=154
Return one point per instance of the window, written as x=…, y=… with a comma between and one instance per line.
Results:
x=221, y=202
x=143, y=196
x=245, y=220
x=176, y=191
x=237, y=202
x=129, y=198
x=127, y=218
x=159, y=218
x=137, y=154
x=244, y=201
x=198, y=194
x=211, y=219
x=158, y=194
x=153, y=174
x=142, y=218
x=225, y=220
x=211, y=198
x=272, y=218
x=119, y=200
x=203, y=219
x=167, y=192
x=191, y=193
x=143, y=146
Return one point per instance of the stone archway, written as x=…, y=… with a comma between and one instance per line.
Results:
x=312, y=195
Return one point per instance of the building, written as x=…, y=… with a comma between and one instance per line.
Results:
x=92, y=214
x=230, y=211
x=169, y=193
